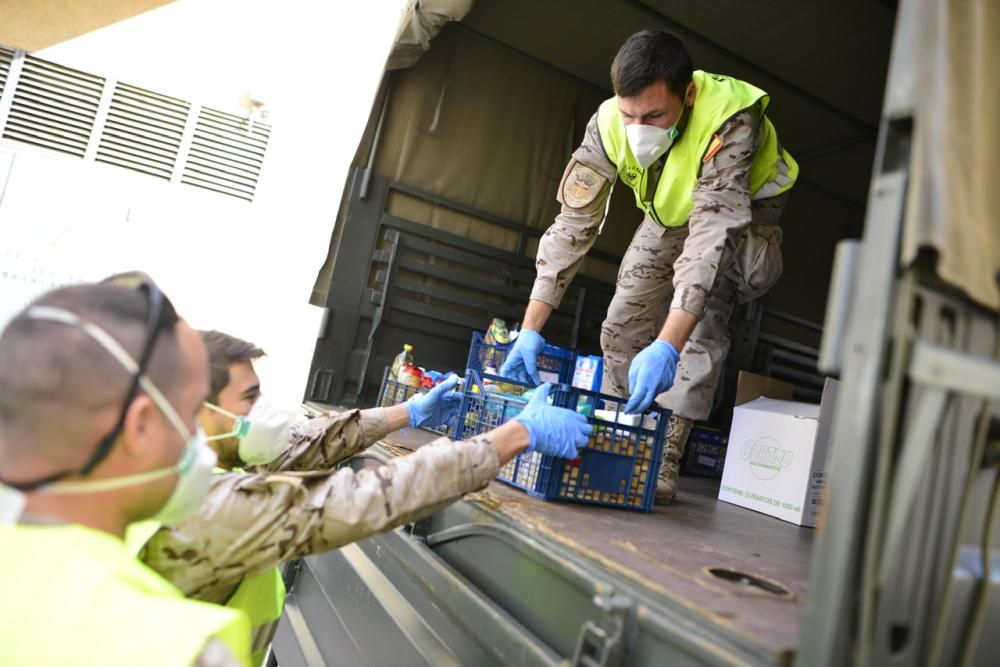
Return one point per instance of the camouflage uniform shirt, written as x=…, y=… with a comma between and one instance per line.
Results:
x=721, y=212
x=251, y=522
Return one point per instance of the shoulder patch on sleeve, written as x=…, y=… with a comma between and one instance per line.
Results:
x=714, y=147
x=581, y=186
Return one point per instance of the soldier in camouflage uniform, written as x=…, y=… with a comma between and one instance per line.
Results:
x=299, y=504
x=677, y=283
x=253, y=522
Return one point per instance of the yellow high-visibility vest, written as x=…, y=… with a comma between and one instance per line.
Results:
x=261, y=597
x=78, y=596
x=718, y=99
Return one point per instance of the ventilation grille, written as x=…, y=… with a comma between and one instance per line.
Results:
x=143, y=131
x=65, y=110
x=226, y=154
x=6, y=56
x=54, y=107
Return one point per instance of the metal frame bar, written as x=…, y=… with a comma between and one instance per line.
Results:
x=831, y=613
x=424, y=641
x=858, y=593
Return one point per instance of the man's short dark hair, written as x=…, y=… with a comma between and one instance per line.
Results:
x=54, y=378
x=650, y=56
x=223, y=351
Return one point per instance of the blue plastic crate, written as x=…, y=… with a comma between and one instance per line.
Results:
x=555, y=364
x=394, y=393
x=618, y=468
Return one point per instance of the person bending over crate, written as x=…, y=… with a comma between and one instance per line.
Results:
x=293, y=503
x=711, y=178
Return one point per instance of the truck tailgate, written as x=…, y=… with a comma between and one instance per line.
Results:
x=504, y=578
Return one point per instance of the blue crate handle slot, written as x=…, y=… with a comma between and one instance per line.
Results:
x=551, y=359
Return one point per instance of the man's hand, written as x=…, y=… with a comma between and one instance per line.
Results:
x=651, y=373
x=436, y=406
x=552, y=430
x=522, y=360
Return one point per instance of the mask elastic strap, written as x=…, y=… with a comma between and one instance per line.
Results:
x=241, y=426
x=93, y=485
x=121, y=355
x=187, y=460
x=222, y=411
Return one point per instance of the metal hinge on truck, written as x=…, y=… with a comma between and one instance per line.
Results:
x=604, y=643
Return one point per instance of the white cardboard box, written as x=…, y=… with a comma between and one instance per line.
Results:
x=776, y=460
x=587, y=374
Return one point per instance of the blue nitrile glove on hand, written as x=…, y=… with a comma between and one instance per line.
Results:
x=555, y=431
x=522, y=360
x=436, y=406
x=650, y=374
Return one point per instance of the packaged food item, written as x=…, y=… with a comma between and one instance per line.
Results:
x=410, y=375
x=496, y=335
x=404, y=357
x=587, y=374
x=647, y=421
x=511, y=389
x=434, y=378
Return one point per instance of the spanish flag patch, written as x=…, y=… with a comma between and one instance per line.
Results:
x=713, y=148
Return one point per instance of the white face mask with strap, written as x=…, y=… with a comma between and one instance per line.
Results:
x=264, y=433
x=193, y=469
x=649, y=142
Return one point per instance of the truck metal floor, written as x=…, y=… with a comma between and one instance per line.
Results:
x=764, y=562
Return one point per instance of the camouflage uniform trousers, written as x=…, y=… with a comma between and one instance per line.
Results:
x=642, y=299
x=638, y=309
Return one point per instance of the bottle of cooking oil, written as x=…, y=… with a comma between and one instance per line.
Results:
x=403, y=358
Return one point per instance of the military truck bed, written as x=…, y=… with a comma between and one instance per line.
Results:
x=533, y=565
x=673, y=549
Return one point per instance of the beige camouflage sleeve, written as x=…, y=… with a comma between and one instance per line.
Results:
x=721, y=211
x=583, y=193
x=324, y=442
x=251, y=523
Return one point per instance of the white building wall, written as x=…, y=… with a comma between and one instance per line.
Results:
x=247, y=269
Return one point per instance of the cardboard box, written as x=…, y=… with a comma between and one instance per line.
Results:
x=776, y=461
x=587, y=373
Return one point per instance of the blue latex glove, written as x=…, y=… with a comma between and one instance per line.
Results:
x=555, y=431
x=436, y=406
x=522, y=360
x=650, y=374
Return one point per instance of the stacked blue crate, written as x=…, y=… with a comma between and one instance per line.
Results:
x=394, y=392
x=617, y=468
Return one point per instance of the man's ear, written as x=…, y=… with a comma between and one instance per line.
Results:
x=138, y=430
x=690, y=94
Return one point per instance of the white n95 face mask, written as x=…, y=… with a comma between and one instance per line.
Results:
x=264, y=433
x=12, y=504
x=649, y=142
x=194, y=475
